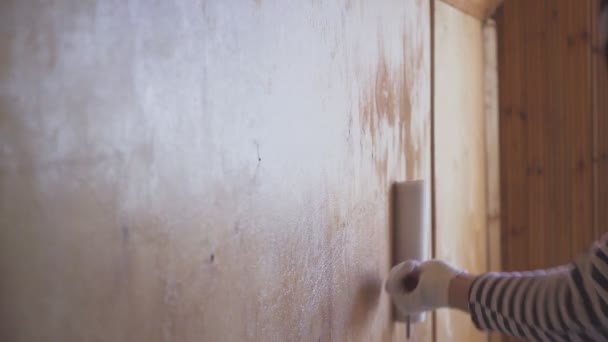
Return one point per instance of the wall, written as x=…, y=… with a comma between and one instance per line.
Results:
x=492, y=144
x=492, y=151
x=171, y=168
x=459, y=154
x=548, y=122
x=552, y=110
x=599, y=103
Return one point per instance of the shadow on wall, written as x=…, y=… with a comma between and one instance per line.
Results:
x=365, y=302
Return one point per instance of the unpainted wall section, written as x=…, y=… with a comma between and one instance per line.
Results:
x=205, y=171
x=460, y=159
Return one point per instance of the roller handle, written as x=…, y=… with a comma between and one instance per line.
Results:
x=410, y=282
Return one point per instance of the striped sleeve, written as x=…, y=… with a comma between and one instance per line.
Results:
x=568, y=303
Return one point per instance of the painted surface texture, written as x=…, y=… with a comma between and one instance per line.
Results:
x=205, y=171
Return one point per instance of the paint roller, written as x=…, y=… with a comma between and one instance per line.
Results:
x=409, y=240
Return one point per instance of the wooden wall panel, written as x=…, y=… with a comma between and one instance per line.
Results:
x=460, y=169
x=206, y=171
x=546, y=131
x=599, y=88
x=553, y=153
x=492, y=143
x=492, y=151
x=513, y=170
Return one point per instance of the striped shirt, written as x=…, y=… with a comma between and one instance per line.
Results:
x=567, y=303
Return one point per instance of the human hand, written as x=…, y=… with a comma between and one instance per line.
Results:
x=416, y=287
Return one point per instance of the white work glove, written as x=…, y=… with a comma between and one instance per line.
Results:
x=417, y=287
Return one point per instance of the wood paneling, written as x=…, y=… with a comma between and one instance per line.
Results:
x=206, y=171
x=599, y=88
x=552, y=88
x=492, y=143
x=460, y=169
x=481, y=9
x=492, y=150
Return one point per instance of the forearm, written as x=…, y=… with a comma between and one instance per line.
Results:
x=460, y=286
x=458, y=291
x=565, y=303
x=558, y=304
x=515, y=303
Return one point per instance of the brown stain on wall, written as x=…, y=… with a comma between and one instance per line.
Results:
x=389, y=100
x=5, y=56
x=397, y=134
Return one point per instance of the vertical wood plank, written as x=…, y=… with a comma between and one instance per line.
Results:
x=459, y=139
x=492, y=149
x=600, y=125
x=513, y=142
x=533, y=117
x=582, y=206
x=552, y=86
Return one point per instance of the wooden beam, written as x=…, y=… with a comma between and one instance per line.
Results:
x=481, y=9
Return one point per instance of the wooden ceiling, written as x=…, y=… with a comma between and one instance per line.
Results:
x=481, y=9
